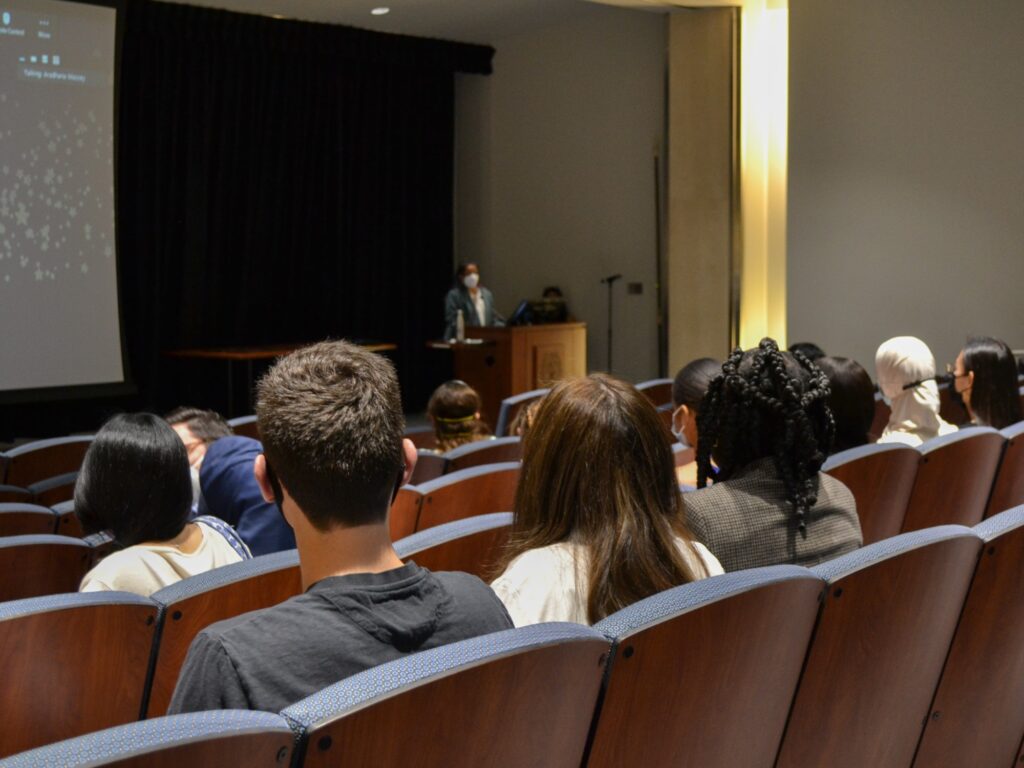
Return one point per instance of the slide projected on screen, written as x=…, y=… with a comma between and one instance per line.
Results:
x=59, y=320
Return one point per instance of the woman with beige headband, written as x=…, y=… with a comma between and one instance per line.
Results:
x=454, y=410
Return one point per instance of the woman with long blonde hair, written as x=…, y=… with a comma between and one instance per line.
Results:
x=598, y=516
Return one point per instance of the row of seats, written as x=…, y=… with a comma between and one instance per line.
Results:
x=903, y=653
x=958, y=478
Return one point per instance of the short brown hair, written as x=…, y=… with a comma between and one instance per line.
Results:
x=453, y=408
x=330, y=416
x=207, y=426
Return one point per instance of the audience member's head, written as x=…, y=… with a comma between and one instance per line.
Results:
x=598, y=471
x=330, y=417
x=985, y=376
x=688, y=390
x=454, y=410
x=134, y=481
x=197, y=428
x=852, y=401
x=808, y=349
x=523, y=422
x=552, y=292
x=767, y=404
x=905, y=369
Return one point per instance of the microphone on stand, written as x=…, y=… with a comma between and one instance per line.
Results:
x=608, y=281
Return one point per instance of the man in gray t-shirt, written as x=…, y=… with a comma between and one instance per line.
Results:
x=331, y=422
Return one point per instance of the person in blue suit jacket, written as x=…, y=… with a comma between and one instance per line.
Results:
x=475, y=301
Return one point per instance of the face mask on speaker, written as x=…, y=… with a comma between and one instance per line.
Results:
x=471, y=280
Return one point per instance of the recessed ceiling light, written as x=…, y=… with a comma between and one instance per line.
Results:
x=380, y=11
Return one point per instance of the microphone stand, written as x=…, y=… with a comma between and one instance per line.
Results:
x=609, y=281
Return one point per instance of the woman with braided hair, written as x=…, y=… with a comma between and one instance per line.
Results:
x=765, y=419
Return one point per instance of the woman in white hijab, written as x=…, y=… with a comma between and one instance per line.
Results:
x=906, y=377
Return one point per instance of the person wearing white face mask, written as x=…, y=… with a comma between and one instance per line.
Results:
x=688, y=389
x=197, y=429
x=474, y=301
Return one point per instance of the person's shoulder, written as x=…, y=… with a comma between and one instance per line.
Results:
x=472, y=597
x=128, y=570
x=834, y=492
x=251, y=628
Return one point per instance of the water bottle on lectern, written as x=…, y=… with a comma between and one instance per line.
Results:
x=460, y=327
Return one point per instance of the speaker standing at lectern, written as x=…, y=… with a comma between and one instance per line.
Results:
x=475, y=301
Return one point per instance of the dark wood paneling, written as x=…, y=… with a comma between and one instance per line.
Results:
x=711, y=687
x=977, y=717
x=954, y=482
x=184, y=620
x=71, y=672
x=527, y=709
x=881, y=484
x=876, y=658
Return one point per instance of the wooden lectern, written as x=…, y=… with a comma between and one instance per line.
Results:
x=507, y=361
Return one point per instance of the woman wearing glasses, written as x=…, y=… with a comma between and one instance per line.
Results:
x=906, y=377
x=985, y=377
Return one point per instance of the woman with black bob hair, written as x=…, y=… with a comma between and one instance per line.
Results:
x=985, y=377
x=135, y=485
x=766, y=421
x=852, y=401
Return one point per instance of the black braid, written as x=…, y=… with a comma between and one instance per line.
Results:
x=767, y=403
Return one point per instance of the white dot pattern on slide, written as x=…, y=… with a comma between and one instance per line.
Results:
x=392, y=676
x=148, y=736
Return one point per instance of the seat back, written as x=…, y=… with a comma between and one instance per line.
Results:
x=467, y=493
x=67, y=520
x=704, y=674
x=54, y=490
x=471, y=545
x=26, y=520
x=32, y=462
x=683, y=455
x=881, y=478
x=882, y=414
x=215, y=738
x=12, y=494
x=878, y=649
x=245, y=426
x=484, y=452
x=33, y=566
x=429, y=466
x=197, y=602
x=952, y=409
x=977, y=716
x=1008, y=488
x=954, y=479
x=513, y=698
x=72, y=664
x=421, y=437
x=511, y=406
x=658, y=391
x=405, y=512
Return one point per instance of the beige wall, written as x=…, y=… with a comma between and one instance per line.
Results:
x=554, y=173
x=906, y=173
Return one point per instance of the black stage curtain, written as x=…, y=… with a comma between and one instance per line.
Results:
x=279, y=182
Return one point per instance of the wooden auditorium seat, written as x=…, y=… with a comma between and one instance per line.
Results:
x=429, y=466
x=67, y=520
x=471, y=545
x=12, y=494
x=514, y=698
x=54, y=490
x=881, y=478
x=421, y=437
x=42, y=459
x=704, y=674
x=44, y=564
x=885, y=626
x=467, y=493
x=245, y=426
x=26, y=520
x=950, y=408
x=484, y=452
x=72, y=664
x=405, y=512
x=1008, y=488
x=511, y=406
x=658, y=391
x=882, y=414
x=196, y=740
x=197, y=602
x=683, y=455
x=977, y=716
x=954, y=479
